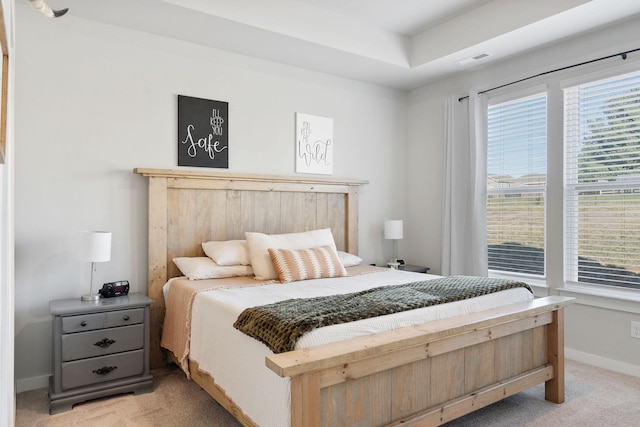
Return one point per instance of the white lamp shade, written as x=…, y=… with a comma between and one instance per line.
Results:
x=94, y=246
x=393, y=229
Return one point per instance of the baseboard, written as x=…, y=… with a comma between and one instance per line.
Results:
x=32, y=383
x=602, y=362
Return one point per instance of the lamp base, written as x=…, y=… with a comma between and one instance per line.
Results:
x=92, y=297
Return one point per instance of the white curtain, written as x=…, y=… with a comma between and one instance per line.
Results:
x=464, y=246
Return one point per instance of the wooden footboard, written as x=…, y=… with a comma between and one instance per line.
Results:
x=432, y=373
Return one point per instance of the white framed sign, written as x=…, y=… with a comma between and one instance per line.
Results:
x=314, y=144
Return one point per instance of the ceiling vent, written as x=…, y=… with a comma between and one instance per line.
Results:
x=472, y=59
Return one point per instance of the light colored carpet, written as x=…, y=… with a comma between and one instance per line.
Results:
x=175, y=401
x=594, y=397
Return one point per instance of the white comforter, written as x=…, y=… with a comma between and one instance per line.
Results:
x=237, y=361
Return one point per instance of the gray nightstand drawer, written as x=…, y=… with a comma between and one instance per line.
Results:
x=102, y=342
x=101, y=369
x=414, y=268
x=83, y=322
x=125, y=317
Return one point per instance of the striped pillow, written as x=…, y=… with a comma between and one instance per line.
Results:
x=302, y=264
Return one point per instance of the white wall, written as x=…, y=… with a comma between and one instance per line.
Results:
x=7, y=389
x=597, y=329
x=95, y=101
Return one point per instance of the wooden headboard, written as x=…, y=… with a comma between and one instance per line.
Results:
x=189, y=207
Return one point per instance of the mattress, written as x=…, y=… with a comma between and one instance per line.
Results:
x=237, y=361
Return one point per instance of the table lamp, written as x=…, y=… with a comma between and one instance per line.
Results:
x=94, y=246
x=393, y=231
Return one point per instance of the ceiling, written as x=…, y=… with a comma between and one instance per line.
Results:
x=403, y=44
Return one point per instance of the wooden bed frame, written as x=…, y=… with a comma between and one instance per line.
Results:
x=428, y=374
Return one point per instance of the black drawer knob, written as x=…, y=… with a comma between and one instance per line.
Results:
x=83, y=323
x=104, y=343
x=105, y=370
x=126, y=318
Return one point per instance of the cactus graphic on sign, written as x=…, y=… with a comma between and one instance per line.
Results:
x=203, y=137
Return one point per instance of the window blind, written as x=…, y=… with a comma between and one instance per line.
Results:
x=516, y=185
x=602, y=182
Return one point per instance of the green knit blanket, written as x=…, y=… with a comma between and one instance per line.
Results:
x=279, y=325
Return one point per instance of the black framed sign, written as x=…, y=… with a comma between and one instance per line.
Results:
x=203, y=137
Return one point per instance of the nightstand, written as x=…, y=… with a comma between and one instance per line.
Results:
x=414, y=268
x=99, y=349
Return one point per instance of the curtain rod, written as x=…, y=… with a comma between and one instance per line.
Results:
x=623, y=55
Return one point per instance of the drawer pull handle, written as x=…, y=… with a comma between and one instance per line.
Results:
x=105, y=370
x=126, y=317
x=104, y=343
x=83, y=323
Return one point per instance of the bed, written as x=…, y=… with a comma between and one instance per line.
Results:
x=427, y=374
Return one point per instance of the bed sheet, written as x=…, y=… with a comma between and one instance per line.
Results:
x=237, y=361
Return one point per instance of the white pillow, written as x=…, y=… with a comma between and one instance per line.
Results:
x=348, y=260
x=198, y=268
x=227, y=252
x=259, y=244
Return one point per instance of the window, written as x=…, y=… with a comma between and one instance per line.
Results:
x=589, y=171
x=602, y=182
x=516, y=185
